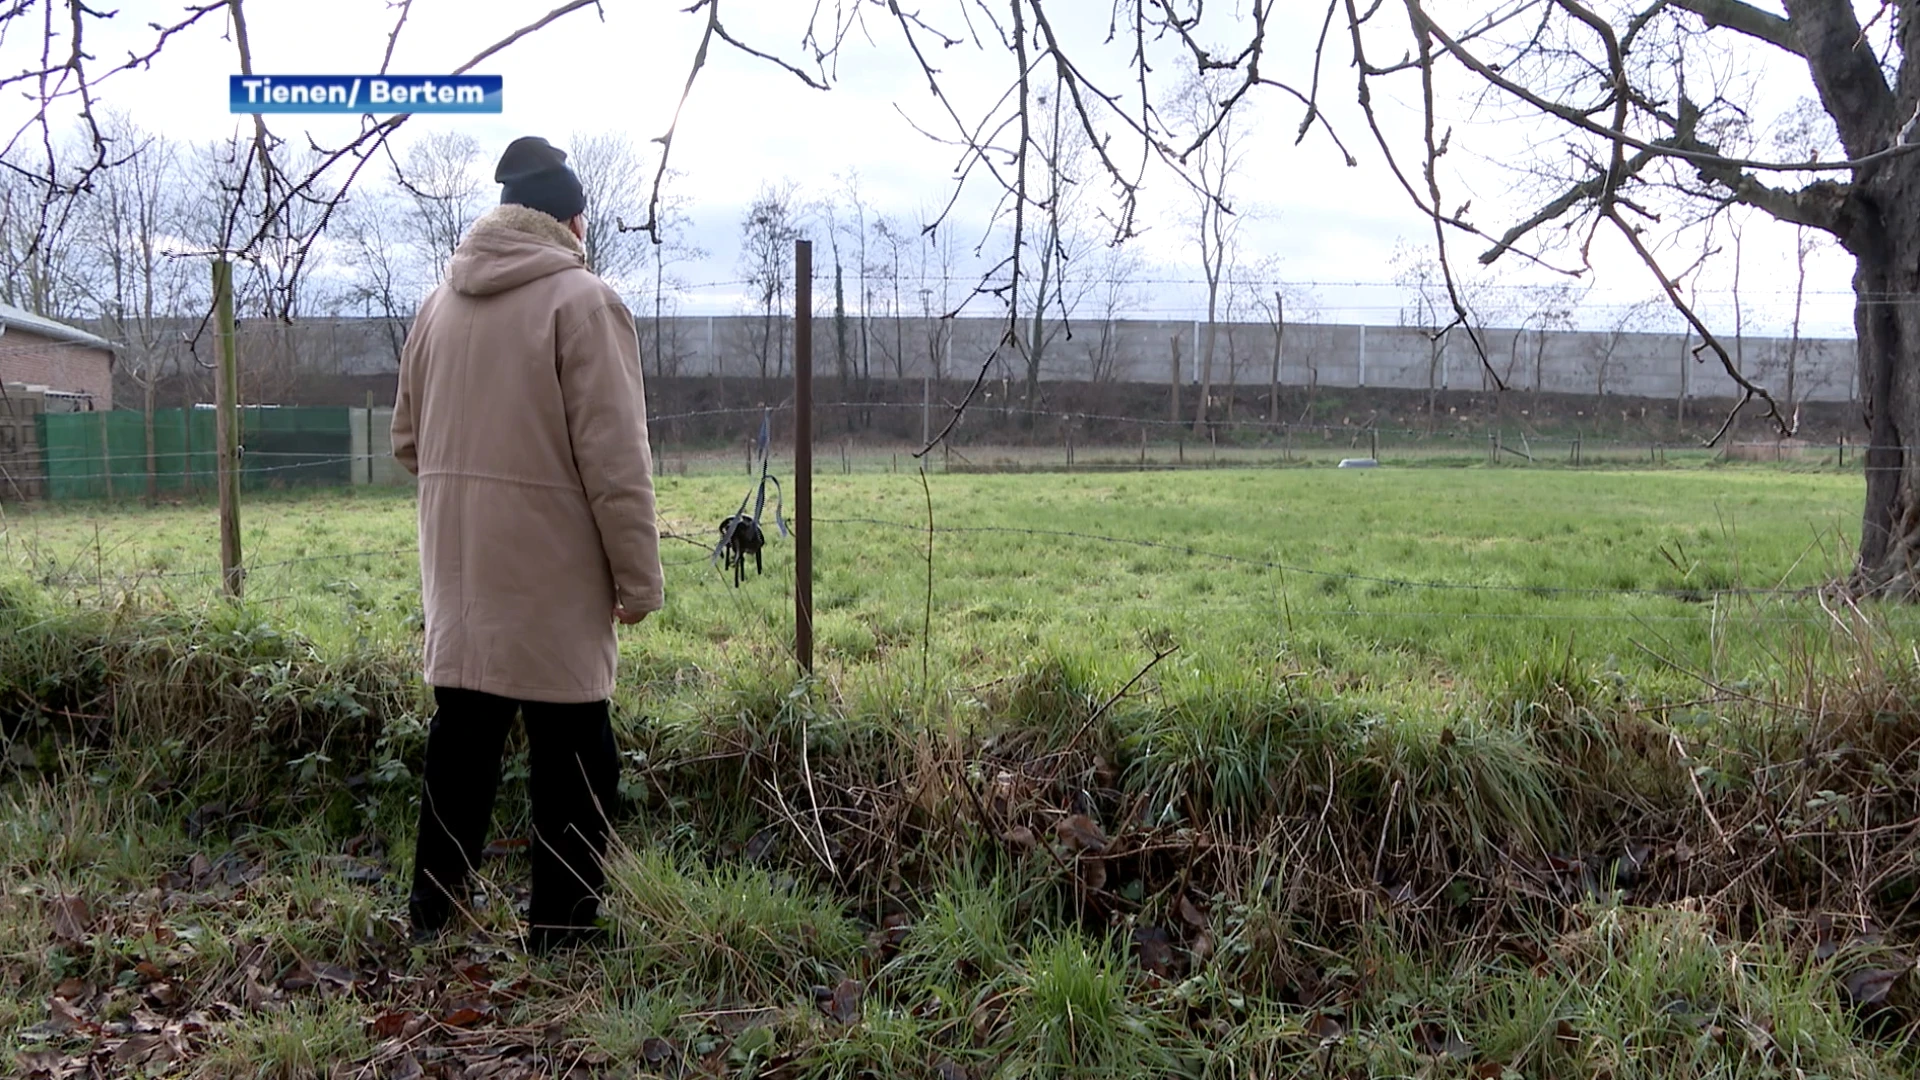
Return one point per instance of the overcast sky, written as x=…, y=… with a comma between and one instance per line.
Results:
x=747, y=123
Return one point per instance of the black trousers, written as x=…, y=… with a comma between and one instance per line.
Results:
x=575, y=782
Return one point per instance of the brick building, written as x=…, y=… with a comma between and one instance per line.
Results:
x=43, y=353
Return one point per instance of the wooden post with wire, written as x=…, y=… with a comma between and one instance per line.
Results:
x=227, y=428
x=803, y=454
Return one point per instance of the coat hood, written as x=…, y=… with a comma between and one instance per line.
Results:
x=509, y=246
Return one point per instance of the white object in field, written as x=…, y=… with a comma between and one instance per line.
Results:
x=1359, y=463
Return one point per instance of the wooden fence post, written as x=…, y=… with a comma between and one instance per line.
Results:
x=227, y=429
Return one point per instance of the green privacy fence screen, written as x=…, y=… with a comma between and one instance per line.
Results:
x=98, y=454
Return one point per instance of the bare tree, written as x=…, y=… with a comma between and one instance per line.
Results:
x=441, y=179
x=1650, y=130
x=1603, y=353
x=1061, y=148
x=1803, y=133
x=1281, y=305
x=858, y=234
x=137, y=288
x=39, y=220
x=767, y=234
x=614, y=177
x=889, y=268
x=843, y=358
x=1547, y=310
x=938, y=269
x=671, y=249
x=1203, y=104
x=1115, y=291
x=1426, y=308
x=379, y=284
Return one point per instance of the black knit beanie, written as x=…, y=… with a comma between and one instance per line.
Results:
x=535, y=174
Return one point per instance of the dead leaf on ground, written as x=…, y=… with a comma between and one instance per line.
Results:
x=138, y=1049
x=389, y=1025
x=1190, y=913
x=1529, y=950
x=1563, y=1031
x=235, y=868
x=1325, y=1028
x=203, y=817
x=1201, y=947
x=1080, y=833
x=365, y=845
x=404, y=1067
x=948, y=1069
x=1093, y=874
x=477, y=973
x=466, y=1012
x=763, y=844
x=892, y=934
x=334, y=974
x=71, y=918
x=1826, y=944
x=1019, y=836
x=359, y=871
x=64, y=1017
x=1434, y=1040
x=72, y=989
x=300, y=978
x=1870, y=986
x=506, y=845
x=843, y=1004
x=656, y=1051
x=41, y=1063
x=1632, y=864
x=1154, y=949
x=259, y=996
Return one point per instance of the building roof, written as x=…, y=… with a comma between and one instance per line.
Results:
x=14, y=318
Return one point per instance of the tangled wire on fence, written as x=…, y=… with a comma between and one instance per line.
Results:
x=741, y=534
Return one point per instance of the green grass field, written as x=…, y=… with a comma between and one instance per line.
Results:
x=1442, y=772
x=1331, y=569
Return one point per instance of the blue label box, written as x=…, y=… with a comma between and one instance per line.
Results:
x=354, y=94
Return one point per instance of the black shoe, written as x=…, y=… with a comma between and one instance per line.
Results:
x=428, y=914
x=542, y=940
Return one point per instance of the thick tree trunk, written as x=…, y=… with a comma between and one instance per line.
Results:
x=1888, y=335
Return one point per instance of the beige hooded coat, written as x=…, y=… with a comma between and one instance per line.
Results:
x=521, y=410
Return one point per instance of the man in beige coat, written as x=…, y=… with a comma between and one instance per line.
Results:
x=521, y=410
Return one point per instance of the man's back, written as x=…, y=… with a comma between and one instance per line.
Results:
x=521, y=409
x=483, y=351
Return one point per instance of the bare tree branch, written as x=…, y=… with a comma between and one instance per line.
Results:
x=1747, y=19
